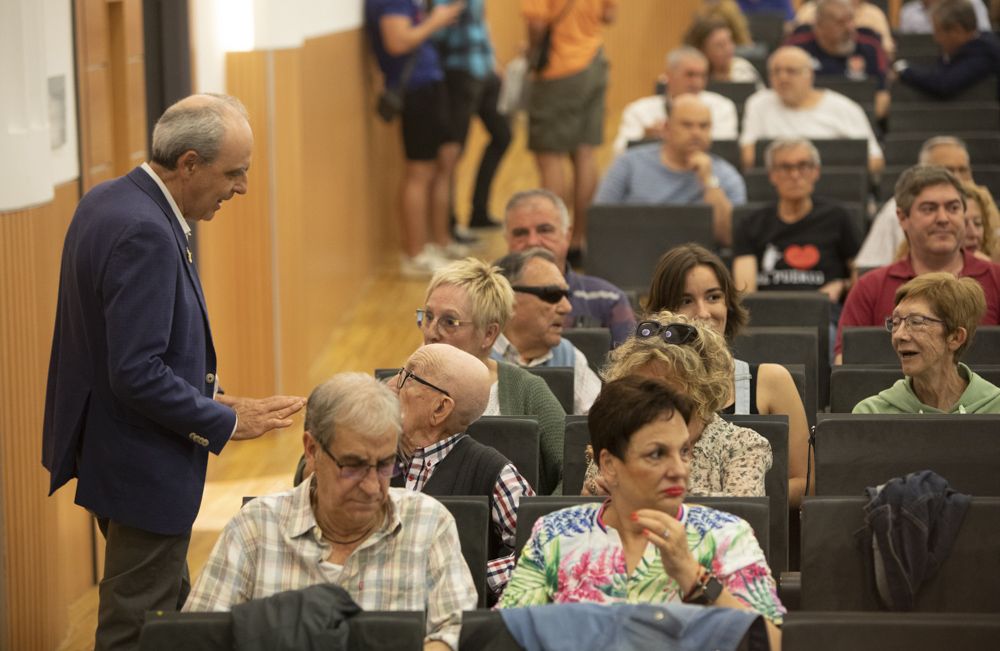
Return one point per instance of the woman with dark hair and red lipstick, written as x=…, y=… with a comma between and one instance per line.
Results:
x=643, y=544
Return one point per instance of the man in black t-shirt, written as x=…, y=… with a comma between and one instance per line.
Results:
x=800, y=242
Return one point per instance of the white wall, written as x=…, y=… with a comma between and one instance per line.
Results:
x=35, y=44
x=219, y=26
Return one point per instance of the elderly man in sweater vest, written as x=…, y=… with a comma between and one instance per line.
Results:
x=442, y=390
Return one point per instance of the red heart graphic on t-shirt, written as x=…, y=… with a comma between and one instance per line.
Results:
x=801, y=257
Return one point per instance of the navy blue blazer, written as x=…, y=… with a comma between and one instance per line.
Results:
x=128, y=408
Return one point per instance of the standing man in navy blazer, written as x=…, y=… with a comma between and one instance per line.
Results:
x=133, y=405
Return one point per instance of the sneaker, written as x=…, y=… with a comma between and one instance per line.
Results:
x=422, y=265
x=463, y=235
x=483, y=220
x=451, y=251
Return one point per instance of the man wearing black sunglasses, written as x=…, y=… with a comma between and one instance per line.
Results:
x=533, y=336
x=442, y=390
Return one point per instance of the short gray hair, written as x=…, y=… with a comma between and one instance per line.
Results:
x=353, y=401
x=200, y=126
x=781, y=144
x=916, y=179
x=512, y=265
x=525, y=196
x=924, y=158
x=683, y=53
x=949, y=14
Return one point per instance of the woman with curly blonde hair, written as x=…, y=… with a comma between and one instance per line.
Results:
x=695, y=361
x=981, y=222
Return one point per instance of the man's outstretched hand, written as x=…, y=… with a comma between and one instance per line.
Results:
x=258, y=416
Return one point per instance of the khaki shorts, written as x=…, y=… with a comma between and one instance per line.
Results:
x=568, y=112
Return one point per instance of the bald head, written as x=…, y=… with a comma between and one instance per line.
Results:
x=463, y=376
x=689, y=126
x=790, y=72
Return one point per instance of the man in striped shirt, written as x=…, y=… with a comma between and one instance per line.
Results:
x=442, y=390
x=389, y=548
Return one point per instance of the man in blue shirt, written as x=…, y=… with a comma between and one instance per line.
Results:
x=680, y=171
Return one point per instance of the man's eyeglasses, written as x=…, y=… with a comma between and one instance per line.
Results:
x=548, y=293
x=672, y=333
x=404, y=374
x=358, y=470
x=801, y=167
x=913, y=322
x=426, y=319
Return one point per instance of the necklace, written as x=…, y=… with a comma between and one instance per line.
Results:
x=350, y=542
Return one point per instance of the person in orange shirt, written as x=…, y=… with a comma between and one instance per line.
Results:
x=566, y=110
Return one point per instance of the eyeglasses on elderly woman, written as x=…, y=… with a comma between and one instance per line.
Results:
x=912, y=321
x=672, y=333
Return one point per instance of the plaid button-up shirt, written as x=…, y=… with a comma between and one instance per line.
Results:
x=412, y=562
x=507, y=493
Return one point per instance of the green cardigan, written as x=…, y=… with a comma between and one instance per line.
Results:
x=980, y=397
x=522, y=394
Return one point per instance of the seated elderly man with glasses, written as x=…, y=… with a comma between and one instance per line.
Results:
x=442, y=390
x=389, y=548
x=533, y=336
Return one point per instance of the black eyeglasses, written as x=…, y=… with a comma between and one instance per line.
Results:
x=406, y=373
x=358, y=470
x=548, y=293
x=672, y=333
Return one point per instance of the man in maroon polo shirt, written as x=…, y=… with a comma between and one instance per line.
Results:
x=930, y=205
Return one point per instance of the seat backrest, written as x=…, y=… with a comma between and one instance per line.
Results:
x=835, y=631
x=170, y=631
x=594, y=343
x=755, y=510
x=982, y=91
x=484, y=629
x=852, y=383
x=861, y=92
x=767, y=28
x=833, y=152
x=383, y=374
x=853, y=451
x=929, y=118
x=902, y=149
x=625, y=242
x=800, y=309
x=575, y=442
x=515, y=437
x=775, y=430
x=873, y=345
x=728, y=150
x=784, y=345
x=737, y=92
x=834, y=574
x=839, y=183
x=560, y=382
x=472, y=518
x=910, y=45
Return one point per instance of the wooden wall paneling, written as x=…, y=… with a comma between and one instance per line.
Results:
x=43, y=541
x=234, y=255
x=128, y=84
x=93, y=52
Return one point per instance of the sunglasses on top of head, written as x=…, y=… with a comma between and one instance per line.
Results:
x=548, y=293
x=672, y=333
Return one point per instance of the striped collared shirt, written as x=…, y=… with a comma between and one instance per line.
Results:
x=412, y=562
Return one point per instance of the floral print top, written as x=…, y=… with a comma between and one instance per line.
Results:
x=573, y=557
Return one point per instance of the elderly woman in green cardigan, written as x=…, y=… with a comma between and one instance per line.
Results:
x=467, y=305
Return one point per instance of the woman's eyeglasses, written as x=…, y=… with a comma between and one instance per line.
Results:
x=672, y=333
x=447, y=324
x=548, y=293
x=913, y=322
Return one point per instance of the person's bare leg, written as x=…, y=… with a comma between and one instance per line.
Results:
x=444, y=170
x=584, y=185
x=415, y=194
x=552, y=171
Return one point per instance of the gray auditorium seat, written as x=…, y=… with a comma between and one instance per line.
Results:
x=767, y=28
x=784, y=345
x=986, y=174
x=515, y=437
x=173, y=631
x=910, y=45
x=575, y=442
x=836, y=631
x=834, y=575
x=728, y=150
x=930, y=119
x=903, y=149
x=852, y=383
x=594, y=343
x=624, y=242
x=861, y=92
x=853, y=451
x=848, y=184
x=472, y=518
x=873, y=345
x=983, y=91
x=560, y=382
x=840, y=152
x=775, y=430
x=800, y=309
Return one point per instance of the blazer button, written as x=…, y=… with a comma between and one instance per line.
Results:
x=210, y=378
x=193, y=436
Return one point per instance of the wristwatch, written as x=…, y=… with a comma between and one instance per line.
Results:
x=705, y=590
x=712, y=182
